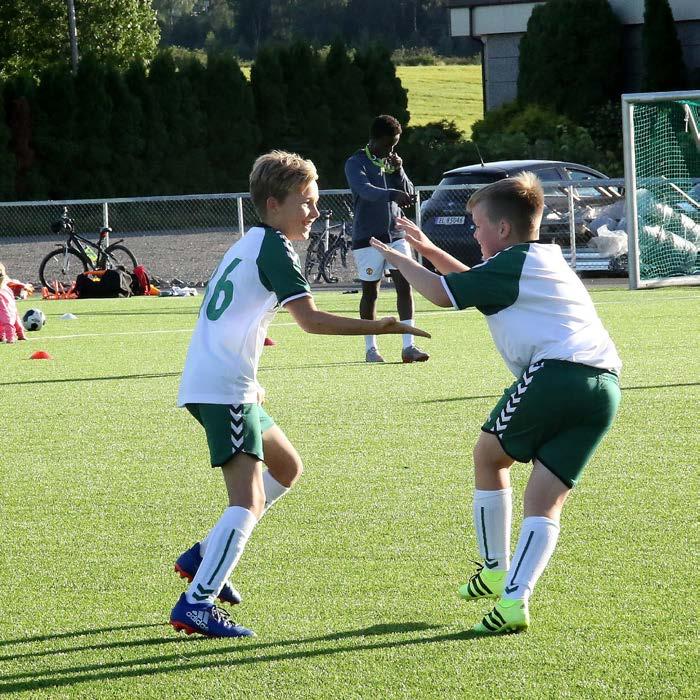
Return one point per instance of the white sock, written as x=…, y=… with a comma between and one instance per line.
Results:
x=492, y=516
x=370, y=342
x=273, y=492
x=407, y=337
x=224, y=548
x=538, y=538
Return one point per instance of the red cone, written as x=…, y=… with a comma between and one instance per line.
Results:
x=269, y=341
x=40, y=355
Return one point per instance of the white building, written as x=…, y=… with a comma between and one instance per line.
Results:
x=500, y=24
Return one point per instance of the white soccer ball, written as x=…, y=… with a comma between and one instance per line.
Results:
x=33, y=320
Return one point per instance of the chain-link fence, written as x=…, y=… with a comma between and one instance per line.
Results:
x=183, y=238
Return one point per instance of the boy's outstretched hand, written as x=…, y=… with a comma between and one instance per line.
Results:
x=390, y=324
x=414, y=236
x=390, y=254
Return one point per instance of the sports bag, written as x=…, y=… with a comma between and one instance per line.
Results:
x=103, y=284
x=142, y=281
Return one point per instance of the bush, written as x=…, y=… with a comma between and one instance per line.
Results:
x=517, y=131
x=571, y=56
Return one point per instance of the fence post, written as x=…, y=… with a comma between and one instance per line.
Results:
x=105, y=215
x=418, y=221
x=241, y=224
x=572, y=225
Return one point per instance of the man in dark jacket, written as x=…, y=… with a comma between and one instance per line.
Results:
x=380, y=188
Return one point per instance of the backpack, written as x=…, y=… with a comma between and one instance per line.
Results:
x=102, y=284
x=142, y=281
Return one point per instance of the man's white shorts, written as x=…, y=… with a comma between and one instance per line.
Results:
x=370, y=263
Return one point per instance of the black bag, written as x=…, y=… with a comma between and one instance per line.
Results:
x=103, y=284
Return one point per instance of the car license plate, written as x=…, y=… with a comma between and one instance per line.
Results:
x=449, y=220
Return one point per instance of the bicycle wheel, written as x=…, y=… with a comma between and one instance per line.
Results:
x=313, y=259
x=331, y=262
x=61, y=266
x=119, y=255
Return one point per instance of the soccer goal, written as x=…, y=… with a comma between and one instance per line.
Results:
x=661, y=132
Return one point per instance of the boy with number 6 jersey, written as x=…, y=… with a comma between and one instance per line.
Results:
x=564, y=400
x=219, y=386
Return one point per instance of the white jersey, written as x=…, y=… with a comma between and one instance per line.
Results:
x=258, y=274
x=536, y=308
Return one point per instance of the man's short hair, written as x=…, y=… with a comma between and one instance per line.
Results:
x=384, y=126
x=518, y=199
x=276, y=174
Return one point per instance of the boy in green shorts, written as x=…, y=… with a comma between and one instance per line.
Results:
x=219, y=386
x=564, y=400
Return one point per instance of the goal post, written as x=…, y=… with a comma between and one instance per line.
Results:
x=661, y=138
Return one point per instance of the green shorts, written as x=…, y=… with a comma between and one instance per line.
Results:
x=232, y=429
x=557, y=413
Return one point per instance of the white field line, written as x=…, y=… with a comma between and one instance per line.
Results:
x=293, y=323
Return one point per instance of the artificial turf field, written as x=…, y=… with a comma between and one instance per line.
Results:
x=350, y=581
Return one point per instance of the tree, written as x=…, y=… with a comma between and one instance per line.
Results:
x=7, y=160
x=346, y=97
x=385, y=94
x=54, y=111
x=93, y=119
x=270, y=94
x=571, y=57
x=35, y=34
x=233, y=135
x=662, y=54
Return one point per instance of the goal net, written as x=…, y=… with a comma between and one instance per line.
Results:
x=661, y=134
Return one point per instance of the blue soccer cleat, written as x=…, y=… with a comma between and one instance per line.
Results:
x=188, y=563
x=206, y=619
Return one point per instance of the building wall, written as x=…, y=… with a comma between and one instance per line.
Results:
x=500, y=27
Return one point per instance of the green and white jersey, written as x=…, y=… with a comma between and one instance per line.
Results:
x=536, y=308
x=258, y=274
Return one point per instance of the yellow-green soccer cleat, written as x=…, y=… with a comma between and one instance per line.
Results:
x=485, y=583
x=506, y=616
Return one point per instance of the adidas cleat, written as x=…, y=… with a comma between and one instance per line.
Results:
x=506, y=616
x=485, y=583
x=188, y=563
x=206, y=619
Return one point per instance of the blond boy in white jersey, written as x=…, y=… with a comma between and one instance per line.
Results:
x=219, y=384
x=564, y=399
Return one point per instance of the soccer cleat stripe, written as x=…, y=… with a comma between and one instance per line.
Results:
x=488, y=624
x=223, y=557
x=477, y=587
x=496, y=614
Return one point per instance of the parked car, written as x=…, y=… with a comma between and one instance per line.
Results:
x=445, y=221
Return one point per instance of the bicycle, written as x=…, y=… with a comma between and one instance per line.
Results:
x=327, y=247
x=79, y=254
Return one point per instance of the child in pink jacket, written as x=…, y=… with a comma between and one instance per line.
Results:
x=10, y=323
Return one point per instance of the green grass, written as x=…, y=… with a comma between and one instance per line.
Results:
x=350, y=581
x=452, y=92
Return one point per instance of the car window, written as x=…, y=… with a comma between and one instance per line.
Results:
x=548, y=174
x=441, y=195
x=583, y=191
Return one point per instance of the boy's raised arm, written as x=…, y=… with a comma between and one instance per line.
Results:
x=424, y=281
x=313, y=320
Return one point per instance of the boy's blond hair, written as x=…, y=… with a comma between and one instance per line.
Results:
x=3, y=274
x=518, y=199
x=276, y=174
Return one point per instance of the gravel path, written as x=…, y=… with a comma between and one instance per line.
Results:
x=188, y=257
